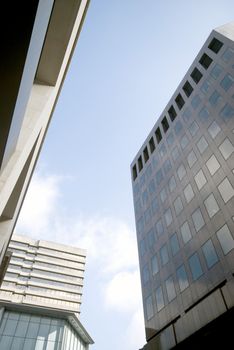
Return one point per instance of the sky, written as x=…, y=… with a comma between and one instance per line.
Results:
x=129, y=59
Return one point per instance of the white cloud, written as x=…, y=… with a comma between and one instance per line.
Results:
x=123, y=291
x=39, y=205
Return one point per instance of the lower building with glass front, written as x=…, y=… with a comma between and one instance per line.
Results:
x=183, y=189
x=40, y=297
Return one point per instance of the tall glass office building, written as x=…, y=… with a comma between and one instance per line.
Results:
x=183, y=188
x=40, y=297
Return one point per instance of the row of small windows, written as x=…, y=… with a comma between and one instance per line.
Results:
x=181, y=276
x=29, y=258
x=226, y=148
x=225, y=189
x=52, y=292
x=226, y=113
x=196, y=76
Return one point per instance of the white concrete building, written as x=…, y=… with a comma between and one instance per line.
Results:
x=40, y=297
x=35, y=53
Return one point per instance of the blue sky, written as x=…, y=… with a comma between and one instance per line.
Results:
x=130, y=57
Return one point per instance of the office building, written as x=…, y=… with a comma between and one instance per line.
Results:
x=38, y=39
x=183, y=188
x=40, y=297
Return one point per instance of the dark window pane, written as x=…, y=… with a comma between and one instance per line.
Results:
x=215, y=45
x=209, y=253
x=205, y=61
x=182, y=278
x=195, y=266
x=174, y=244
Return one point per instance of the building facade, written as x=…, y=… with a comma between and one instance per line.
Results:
x=35, y=56
x=183, y=189
x=40, y=297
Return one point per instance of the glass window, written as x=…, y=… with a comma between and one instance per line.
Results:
x=212, y=165
x=228, y=55
x=29, y=344
x=178, y=127
x=215, y=45
x=145, y=274
x=142, y=180
x=193, y=128
x=196, y=75
x=147, y=215
x=152, y=187
x=226, y=190
x=170, y=288
x=179, y=101
x=170, y=139
x=182, y=278
x=159, y=176
x=214, y=129
x=172, y=183
x=151, y=238
x=209, y=253
x=204, y=114
x=145, y=197
x=5, y=342
x=163, y=195
x=215, y=98
x=159, y=227
x=226, y=148
x=225, y=239
x=174, y=244
x=155, y=205
x=181, y=172
x=188, y=193
x=191, y=159
x=216, y=71
x=154, y=161
x=202, y=144
x=198, y=219
x=17, y=343
x=32, y=330
x=196, y=101
x=178, y=205
x=206, y=86
x=167, y=166
x=162, y=151
x=227, y=82
x=186, y=114
x=154, y=265
x=164, y=254
x=211, y=205
x=175, y=153
x=185, y=232
x=148, y=171
x=142, y=247
x=184, y=141
x=21, y=329
x=140, y=226
x=138, y=207
x=172, y=113
x=10, y=327
x=205, y=61
x=227, y=112
x=168, y=217
x=159, y=298
x=200, y=179
x=195, y=266
x=149, y=307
